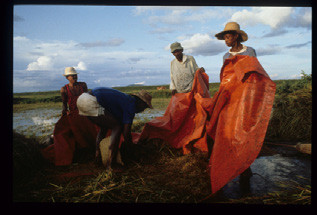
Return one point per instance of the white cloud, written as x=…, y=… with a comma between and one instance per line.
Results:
x=19, y=38
x=296, y=76
x=165, y=19
x=81, y=66
x=201, y=44
x=42, y=63
x=139, y=10
x=140, y=83
x=271, y=16
x=275, y=17
x=268, y=50
x=274, y=75
x=109, y=43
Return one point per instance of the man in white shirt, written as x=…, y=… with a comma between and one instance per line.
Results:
x=183, y=69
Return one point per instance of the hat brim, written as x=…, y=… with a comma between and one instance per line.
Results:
x=70, y=74
x=148, y=104
x=178, y=48
x=244, y=36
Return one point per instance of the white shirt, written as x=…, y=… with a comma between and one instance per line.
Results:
x=183, y=73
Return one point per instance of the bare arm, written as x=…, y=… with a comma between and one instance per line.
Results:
x=127, y=134
x=64, y=101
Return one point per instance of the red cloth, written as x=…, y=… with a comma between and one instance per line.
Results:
x=236, y=118
x=71, y=131
x=184, y=118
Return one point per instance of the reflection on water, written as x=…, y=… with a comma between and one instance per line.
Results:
x=37, y=122
x=269, y=172
x=41, y=122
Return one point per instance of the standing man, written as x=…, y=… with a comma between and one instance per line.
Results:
x=111, y=109
x=183, y=69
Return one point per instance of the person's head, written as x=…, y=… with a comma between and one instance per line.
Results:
x=71, y=74
x=232, y=34
x=231, y=38
x=143, y=101
x=177, y=50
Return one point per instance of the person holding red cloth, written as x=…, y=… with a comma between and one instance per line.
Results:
x=74, y=135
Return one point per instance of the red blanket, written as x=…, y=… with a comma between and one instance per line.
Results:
x=183, y=124
x=236, y=118
x=70, y=132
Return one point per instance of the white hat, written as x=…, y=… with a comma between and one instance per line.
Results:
x=87, y=105
x=70, y=71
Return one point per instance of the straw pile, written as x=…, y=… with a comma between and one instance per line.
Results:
x=291, y=119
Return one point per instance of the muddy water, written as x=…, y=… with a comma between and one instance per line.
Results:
x=41, y=122
x=37, y=122
x=282, y=170
x=281, y=165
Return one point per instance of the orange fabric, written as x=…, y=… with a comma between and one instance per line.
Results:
x=240, y=116
x=236, y=118
x=71, y=132
x=184, y=118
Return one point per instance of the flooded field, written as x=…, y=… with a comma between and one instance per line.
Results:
x=41, y=122
x=270, y=171
x=287, y=169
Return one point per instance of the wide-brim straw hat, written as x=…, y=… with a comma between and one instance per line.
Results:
x=232, y=26
x=176, y=46
x=144, y=96
x=70, y=71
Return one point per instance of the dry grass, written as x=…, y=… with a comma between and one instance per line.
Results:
x=155, y=174
x=292, y=116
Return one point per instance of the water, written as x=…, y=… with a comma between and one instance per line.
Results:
x=41, y=122
x=284, y=166
x=37, y=122
x=270, y=173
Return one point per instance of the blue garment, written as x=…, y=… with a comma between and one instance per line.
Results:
x=120, y=105
x=250, y=52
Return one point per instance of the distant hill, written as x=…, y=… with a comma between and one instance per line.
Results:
x=134, y=85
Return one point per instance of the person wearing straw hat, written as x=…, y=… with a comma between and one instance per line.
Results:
x=113, y=110
x=73, y=88
x=74, y=135
x=183, y=69
x=233, y=37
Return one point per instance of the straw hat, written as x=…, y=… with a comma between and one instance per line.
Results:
x=70, y=71
x=232, y=26
x=176, y=46
x=145, y=96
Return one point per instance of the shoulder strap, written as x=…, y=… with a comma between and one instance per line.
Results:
x=68, y=91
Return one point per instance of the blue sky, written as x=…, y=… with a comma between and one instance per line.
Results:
x=122, y=45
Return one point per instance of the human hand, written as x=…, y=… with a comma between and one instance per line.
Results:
x=174, y=92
